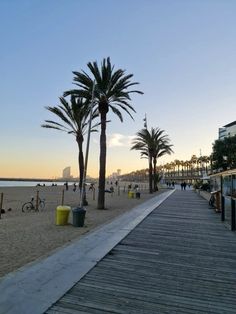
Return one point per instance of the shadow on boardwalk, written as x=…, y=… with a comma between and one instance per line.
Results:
x=180, y=259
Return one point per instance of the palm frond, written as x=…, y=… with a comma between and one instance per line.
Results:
x=84, y=79
x=117, y=112
x=126, y=110
x=153, y=143
x=93, y=67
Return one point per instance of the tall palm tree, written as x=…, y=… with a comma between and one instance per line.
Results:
x=178, y=164
x=143, y=142
x=187, y=164
x=151, y=145
x=193, y=161
x=167, y=168
x=111, y=92
x=74, y=118
x=161, y=147
x=204, y=161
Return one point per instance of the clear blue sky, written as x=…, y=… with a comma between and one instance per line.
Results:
x=181, y=51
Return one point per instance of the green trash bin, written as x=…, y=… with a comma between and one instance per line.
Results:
x=78, y=216
x=138, y=195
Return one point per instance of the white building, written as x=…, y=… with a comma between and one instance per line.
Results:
x=227, y=130
x=66, y=173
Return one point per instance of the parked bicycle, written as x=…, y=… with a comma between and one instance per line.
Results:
x=29, y=206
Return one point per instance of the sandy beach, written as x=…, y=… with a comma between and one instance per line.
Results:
x=26, y=237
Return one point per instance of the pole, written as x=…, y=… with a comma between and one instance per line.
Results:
x=145, y=121
x=62, y=198
x=93, y=193
x=1, y=203
x=87, y=149
x=37, y=200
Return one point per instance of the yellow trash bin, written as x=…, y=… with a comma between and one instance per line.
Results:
x=131, y=194
x=62, y=215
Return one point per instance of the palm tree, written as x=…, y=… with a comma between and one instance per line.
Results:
x=152, y=145
x=193, y=161
x=144, y=143
x=74, y=117
x=205, y=160
x=161, y=148
x=167, y=169
x=178, y=164
x=111, y=92
x=187, y=164
x=182, y=164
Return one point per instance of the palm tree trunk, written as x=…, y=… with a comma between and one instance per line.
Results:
x=150, y=175
x=155, y=174
x=81, y=164
x=102, y=170
x=81, y=171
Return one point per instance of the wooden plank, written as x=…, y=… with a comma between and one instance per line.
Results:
x=180, y=259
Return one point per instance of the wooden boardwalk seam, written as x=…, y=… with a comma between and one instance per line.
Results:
x=180, y=259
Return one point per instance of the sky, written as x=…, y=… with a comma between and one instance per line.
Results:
x=182, y=52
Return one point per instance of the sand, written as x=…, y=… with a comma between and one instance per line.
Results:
x=25, y=237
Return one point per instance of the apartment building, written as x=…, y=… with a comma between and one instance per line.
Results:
x=227, y=130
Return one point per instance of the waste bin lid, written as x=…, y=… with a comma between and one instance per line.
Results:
x=63, y=208
x=78, y=209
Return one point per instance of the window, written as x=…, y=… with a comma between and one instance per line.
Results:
x=226, y=185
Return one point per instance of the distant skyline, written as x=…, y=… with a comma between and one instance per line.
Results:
x=181, y=52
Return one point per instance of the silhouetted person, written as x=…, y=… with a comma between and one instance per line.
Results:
x=111, y=189
x=91, y=187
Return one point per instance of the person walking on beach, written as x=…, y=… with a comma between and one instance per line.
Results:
x=66, y=185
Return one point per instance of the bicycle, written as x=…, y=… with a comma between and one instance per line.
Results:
x=29, y=206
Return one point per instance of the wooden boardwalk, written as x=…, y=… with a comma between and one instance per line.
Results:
x=180, y=259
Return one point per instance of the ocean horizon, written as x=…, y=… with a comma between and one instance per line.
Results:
x=18, y=183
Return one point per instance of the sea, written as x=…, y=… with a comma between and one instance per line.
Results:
x=29, y=183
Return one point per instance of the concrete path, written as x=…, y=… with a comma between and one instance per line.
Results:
x=35, y=287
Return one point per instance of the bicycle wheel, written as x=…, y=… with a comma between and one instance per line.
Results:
x=41, y=205
x=27, y=207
